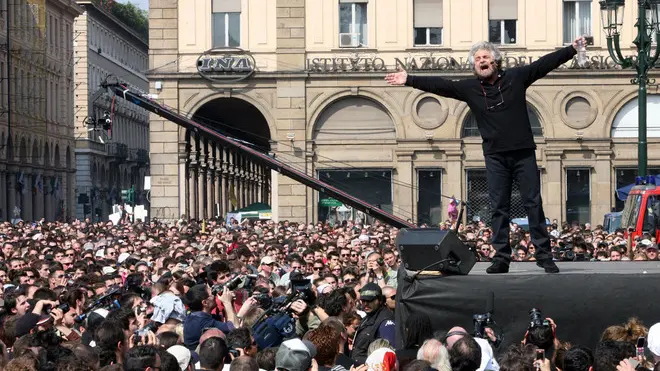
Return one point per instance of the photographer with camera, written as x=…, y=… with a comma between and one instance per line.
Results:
x=304, y=309
x=379, y=272
x=202, y=302
x=542, y=333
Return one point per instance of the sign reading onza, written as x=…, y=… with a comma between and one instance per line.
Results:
x=226, y=65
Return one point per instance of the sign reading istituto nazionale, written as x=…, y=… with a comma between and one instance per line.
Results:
x=440, y=63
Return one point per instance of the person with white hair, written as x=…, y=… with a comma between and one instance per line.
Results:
x=497, y=100
x=488, y=362
x=436, y=354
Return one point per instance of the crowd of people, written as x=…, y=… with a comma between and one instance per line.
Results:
x=261, y=295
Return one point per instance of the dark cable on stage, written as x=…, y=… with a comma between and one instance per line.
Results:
x=440, y=269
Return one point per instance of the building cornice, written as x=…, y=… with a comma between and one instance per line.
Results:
x=69, y=6
x=345, y=75
x=88, y=4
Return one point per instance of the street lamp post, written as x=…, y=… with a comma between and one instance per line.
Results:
x=647, y=24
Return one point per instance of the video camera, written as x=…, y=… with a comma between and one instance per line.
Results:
x=482, y=321
x=234, y=283
x=108, y=301
x=277, y=323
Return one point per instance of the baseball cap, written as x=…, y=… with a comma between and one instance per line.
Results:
x=267, y=260
x=108, y=270
x=370, y=292
x=182, y=355
x=295, y=355
x=646, y=242
x=27, y=322
x=653, y=339
x=122, y=257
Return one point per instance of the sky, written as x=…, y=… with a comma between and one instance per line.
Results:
x=142, y=4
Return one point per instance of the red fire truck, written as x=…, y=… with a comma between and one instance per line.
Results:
x=641, y=212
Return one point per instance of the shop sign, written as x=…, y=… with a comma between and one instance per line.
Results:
x=329, y=202
x=226, y=65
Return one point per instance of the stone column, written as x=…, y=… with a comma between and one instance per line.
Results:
x=291, y=197
x=47, y=195
x=192, y=190
x=3, y=191
x=554, y=196
x=201, y=192
x=38, y=206
x=253, y=178
x=167, y=196
x=26, y=208
x=210, y=191
x=219, y=188
x=403, y=197
x=453, y=180
x=600, y=185
x=11, y=190
x=239, y=181
x=226, y=166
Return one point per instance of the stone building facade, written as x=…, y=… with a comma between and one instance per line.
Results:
x=316, y=99
x=37, y=160
x=108, y=161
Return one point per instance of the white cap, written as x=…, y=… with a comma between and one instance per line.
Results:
x=182, y=355
x=108, y=270
x=654, y=339
x=122, y=257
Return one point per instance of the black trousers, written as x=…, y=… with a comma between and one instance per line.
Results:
x=501, y=170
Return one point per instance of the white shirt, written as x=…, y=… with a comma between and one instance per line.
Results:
x=488, y=361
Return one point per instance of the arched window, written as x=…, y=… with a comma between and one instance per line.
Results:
x=470, y=128
x=626, y=122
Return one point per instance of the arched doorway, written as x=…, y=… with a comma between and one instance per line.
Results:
x=218, y=180
x=236, y=118
x=479, y=207
x=358, y=120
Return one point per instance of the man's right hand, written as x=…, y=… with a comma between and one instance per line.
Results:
x=398, y=78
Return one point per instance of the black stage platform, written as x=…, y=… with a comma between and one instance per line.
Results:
x=583, y=299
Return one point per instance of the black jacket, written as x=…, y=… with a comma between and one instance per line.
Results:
x=367, y=332
x=502, y=118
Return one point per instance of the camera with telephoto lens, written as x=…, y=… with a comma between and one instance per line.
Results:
x=481, y=321
x=233, y=283
x=536, y=319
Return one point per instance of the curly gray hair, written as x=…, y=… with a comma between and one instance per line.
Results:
x=485, y=45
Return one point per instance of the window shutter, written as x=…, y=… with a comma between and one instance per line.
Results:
x=428, y=13
x=353, y=1
x=502, y=10
x=226, y=6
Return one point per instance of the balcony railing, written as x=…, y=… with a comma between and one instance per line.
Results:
x=142, y=156
x=117, y=150
x=138, y=155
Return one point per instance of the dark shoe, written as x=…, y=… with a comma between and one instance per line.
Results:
x=498, y=267
x=548, y=265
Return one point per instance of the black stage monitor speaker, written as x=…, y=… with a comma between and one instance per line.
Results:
x=433, y=249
